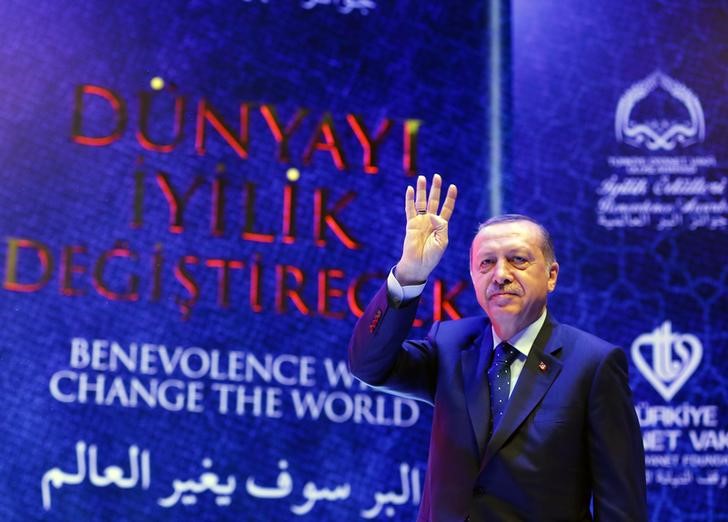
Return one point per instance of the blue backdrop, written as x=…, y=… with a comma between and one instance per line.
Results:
x=618, y=144
x=199, y=197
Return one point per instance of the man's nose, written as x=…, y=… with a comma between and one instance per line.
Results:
x=502, y=272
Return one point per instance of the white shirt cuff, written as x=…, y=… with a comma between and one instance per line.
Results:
x=398, y=293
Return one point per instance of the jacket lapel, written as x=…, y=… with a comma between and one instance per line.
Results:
x=539, y=372
x=474, y=363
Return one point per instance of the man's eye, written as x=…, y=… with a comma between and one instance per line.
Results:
x=486, y=264
x=519, y=261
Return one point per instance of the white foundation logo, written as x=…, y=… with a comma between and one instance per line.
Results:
x=674, y=358
x=659, y=132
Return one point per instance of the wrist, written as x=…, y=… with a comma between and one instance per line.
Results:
x=405, y=278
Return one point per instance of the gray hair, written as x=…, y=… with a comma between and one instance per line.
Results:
x=547, y=244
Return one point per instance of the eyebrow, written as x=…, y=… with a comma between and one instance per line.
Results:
x=507, y=251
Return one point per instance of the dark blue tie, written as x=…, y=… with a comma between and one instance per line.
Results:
x=499, y=379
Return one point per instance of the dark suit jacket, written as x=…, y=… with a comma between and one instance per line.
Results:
x=569, y=432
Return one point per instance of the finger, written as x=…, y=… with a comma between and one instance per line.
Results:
x=434, y=201
x=449, y=205
x=409, y=203
x=421, y=196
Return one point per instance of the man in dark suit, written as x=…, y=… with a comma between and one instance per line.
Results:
x=533, y=419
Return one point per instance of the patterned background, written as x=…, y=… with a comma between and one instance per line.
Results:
x=567, y=67
x=571, y=64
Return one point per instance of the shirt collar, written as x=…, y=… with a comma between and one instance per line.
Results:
x=523, y=340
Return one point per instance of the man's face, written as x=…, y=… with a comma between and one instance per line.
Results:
x=510, y=275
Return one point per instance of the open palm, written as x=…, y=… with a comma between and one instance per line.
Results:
x=426, y=238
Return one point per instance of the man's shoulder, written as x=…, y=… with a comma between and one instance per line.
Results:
x=460, y=332
x=573, y=338
x=572, y=332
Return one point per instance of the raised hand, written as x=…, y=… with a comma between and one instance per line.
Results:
x=426, y=238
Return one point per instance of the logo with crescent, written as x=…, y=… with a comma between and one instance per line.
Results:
x=659, y=113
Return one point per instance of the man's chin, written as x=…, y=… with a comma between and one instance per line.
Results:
x=503, y=309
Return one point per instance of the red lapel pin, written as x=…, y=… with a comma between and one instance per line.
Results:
x=543, y=366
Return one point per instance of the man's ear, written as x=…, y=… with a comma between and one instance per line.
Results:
x=553, y=276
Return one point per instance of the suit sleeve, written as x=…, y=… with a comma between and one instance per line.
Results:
x=615, y=445
x=381, y=356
